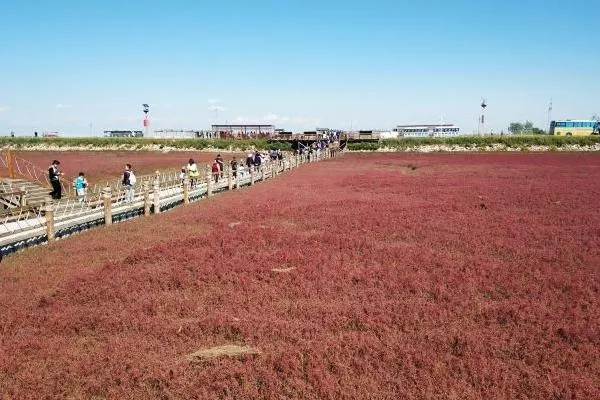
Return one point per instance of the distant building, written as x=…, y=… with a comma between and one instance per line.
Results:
x=243, y=130
x=433, y=130
x=181, y=134
x=388, y=134
x=123, y=134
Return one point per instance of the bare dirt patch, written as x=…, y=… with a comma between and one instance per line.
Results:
x=229, y=350
x=283, y=270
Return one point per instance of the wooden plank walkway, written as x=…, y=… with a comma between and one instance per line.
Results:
x=152, y=194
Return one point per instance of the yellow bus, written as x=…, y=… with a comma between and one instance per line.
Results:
x=575, y=127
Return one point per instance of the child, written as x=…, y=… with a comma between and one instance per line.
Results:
x=129, y=181
x=182, y=175
x=80, y=185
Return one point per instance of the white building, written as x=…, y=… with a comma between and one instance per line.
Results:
x=426, y=130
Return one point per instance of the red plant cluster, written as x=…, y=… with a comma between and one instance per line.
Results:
x=397, y=276
x=100, y=166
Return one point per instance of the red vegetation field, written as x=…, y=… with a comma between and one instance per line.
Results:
x=100, y=166
x=404, y=277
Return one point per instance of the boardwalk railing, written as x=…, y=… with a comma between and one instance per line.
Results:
x=152, y=194
x=18, y=167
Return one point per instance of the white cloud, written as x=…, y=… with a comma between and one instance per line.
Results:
x=271, y=117
x=60, y=106
x=216, y=108
x=276, y=119
x=3, y=109
x=215, y=101
x=241, y=120
x=130, y=118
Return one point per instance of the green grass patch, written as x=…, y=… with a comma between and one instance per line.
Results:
x=482, y=142
x=138, y=143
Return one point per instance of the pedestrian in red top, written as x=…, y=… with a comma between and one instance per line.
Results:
x=216, y=170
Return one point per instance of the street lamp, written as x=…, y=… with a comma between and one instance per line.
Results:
x=481, y=131
x=146, y=109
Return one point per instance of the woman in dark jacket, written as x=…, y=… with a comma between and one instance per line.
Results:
x=54, y=178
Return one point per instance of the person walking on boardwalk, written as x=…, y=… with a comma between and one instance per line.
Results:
x=80, y=185
x=221, y=163
x=216, y=170
x=129, y=181
x=257, y=160
x=54, y=178
x=234, y=166
x=193, y=173
x=182, y=175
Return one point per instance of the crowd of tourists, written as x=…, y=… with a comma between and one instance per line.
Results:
x=254, y=160
x=310, y=149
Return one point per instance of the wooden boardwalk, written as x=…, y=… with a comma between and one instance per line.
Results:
x=152, y=194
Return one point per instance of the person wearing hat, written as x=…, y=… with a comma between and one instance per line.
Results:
x=54, y=178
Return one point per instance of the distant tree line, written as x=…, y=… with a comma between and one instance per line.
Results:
x=525, y=128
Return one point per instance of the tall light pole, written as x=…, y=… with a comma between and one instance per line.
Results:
x=549, y=115
x=481, y=130
x=146, y=109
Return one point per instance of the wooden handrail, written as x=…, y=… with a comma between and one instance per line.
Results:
x=21, y=167
x=15, y=193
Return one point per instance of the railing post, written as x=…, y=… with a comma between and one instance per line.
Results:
x=209, y=184
x=186, y=190
x=49, y=214
x=230, y=178
x=107, y=204
x=23, y=198
x=251, y=175
x=237, y=179
x=156, y=193
x=147, y=203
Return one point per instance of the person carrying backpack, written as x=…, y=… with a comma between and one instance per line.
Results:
x=257, y=160
x=129, y=181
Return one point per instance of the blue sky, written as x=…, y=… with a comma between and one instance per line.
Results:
x=80, y=67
